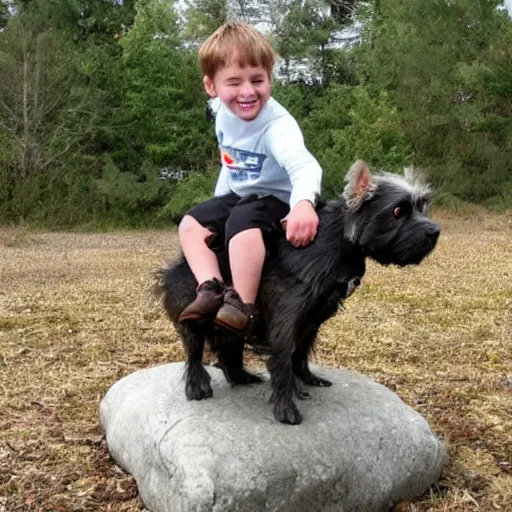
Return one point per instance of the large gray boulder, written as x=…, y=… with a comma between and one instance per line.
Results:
x=359, y=448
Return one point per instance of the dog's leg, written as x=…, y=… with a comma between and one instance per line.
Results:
x=231, y=359
x=197, y=379
x=282, y=379
x=283, y=386
x=300, y=358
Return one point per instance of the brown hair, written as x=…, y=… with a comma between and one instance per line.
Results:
x=251, y=46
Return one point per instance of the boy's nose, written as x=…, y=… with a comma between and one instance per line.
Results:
x=247, y=89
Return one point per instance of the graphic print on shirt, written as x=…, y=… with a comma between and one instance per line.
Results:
x=243, y=165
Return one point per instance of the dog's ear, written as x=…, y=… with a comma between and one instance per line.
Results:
x=359, y=185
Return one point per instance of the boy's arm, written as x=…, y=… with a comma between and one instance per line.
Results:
x=286, y=143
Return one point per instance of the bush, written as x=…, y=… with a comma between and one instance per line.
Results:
x=346, y=123
x=131, y=200
x=450, y=202
x=194, y=189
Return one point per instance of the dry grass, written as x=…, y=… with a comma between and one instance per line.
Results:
x=76, y=315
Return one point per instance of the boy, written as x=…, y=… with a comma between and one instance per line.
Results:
x=268, y=178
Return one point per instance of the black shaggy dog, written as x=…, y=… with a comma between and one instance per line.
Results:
x=380, y=217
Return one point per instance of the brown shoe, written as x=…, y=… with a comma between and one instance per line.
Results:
x=209, y=298
x=234, y=314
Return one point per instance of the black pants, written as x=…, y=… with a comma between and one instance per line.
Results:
x=229, y=215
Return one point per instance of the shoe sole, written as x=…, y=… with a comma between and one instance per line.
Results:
x=229, y=327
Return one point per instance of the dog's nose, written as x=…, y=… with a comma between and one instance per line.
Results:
x=433, y=230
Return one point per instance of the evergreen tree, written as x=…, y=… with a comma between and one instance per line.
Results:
x=302, y=33
x=203, y=17
x=437, y=60
x=4, y=14
x=165, y=102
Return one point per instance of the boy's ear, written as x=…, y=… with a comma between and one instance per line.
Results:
x=209, y=86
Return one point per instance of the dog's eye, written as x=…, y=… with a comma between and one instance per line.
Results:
x=399, y=211
x=402, y=209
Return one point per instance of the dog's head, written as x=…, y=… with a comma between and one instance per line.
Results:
x=387, y=215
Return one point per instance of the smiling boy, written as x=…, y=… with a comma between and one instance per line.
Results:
x=268, y=179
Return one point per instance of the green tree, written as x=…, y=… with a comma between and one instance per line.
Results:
x=4, y=14
x=58, y=120
x=437, y=60
x=164, y=99
x=203, y=17
x=42, y=107
x=302, y=33
x=343, y=123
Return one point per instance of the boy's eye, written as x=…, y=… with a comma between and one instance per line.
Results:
x=257, y=81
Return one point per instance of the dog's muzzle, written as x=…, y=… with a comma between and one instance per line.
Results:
x=431, y=229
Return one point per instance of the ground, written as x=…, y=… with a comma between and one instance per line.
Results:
x=76, y=315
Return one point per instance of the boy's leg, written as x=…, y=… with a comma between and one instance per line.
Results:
x=194, y=238
x=200, y=258
x=246, y=245
x=246, y=258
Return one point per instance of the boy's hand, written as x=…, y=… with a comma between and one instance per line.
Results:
x=301, y=224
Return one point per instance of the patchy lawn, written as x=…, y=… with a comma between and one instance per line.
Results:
x=76, y=315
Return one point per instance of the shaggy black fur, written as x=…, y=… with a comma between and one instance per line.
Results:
x=301, y=288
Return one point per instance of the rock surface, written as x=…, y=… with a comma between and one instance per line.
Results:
x=359, y=448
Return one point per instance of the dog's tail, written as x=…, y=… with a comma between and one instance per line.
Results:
x=158, y=279
x=175, y=285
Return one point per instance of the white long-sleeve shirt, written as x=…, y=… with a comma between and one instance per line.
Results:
x=265, y=156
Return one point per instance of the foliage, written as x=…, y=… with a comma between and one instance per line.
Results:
x=116, y=104
x=302, y=31
x=164, y=101
x=43, y=107
x=128, y=199
x=99, y=99
x=203, y=17
x=4, y=14
x=346, y=123
x=195, y=188
x=51, y=103
x=446, y=66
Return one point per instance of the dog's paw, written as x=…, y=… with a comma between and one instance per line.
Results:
x=302, y=394
x=198, y=385
x=244, y=377
x=287, y=413
x=198, y=392
x=314, y=380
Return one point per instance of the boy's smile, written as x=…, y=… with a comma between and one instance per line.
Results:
x=244, y=90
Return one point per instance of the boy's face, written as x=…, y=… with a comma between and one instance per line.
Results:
x=243, y=90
